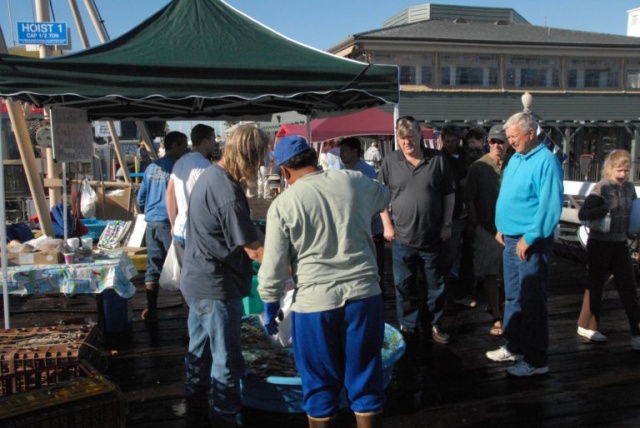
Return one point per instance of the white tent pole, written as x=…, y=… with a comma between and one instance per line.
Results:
x=309, y=129
x=64, y=199
x=3, y=231
x=82, y=32
x=396, y=116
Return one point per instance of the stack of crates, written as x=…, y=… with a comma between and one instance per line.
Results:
x=46, y=382
x=34, y=357
x=83, y=402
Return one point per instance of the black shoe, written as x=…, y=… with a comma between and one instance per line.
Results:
x=227, y=420
x=439, y=336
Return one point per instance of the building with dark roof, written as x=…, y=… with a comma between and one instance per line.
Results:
x=471, y=66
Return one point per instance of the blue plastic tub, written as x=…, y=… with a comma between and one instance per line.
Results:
x=95, y=227
x=284, y=394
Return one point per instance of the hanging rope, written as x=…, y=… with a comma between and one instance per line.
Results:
x=53, y=15
x=95, y=6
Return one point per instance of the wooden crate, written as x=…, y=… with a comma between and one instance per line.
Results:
x=90, y=401
x=31, y=357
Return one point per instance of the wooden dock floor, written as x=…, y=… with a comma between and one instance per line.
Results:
x=434, y=385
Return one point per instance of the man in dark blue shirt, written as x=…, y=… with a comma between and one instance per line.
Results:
x=151, y=198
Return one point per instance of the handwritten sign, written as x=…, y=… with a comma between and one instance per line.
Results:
x=72, y=134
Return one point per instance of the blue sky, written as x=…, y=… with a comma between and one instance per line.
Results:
x=322, y=24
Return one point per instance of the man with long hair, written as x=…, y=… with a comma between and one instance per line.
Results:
x=216, y=275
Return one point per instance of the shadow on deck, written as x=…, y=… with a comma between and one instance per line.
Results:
x=434, y=385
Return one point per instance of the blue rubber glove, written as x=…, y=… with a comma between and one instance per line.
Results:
x=271, y=314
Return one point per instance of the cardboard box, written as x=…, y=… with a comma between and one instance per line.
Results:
x=35, y=258
x=133, y=250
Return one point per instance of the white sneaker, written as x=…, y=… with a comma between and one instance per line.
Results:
x=635, y=342
x=502, y=354
x=524, y=369
x=593, y=335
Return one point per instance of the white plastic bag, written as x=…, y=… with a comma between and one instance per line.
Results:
x=283, y=336
x=87, y=200
x=170, y=275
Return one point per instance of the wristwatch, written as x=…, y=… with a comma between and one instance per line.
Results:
x=447, y=224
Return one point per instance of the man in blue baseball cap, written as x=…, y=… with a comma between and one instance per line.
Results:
x=318, y=231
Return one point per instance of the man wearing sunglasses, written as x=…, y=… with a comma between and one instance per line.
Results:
x=481, y=194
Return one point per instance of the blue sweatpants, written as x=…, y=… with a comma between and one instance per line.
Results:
x=337, y=349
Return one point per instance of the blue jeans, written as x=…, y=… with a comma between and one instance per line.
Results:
x=410, y=299
x=526, y=324
x=216, y=323
x=339, y=349
x=157, y=237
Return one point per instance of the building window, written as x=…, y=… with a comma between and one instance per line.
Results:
x=533, y=72
x=415, y=69
x=407, y=75
x=469, y=70
x=633, y=74
x=592, y=73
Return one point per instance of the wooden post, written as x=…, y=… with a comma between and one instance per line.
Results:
x=19, y=125
x=122, y=161
x=53, y=169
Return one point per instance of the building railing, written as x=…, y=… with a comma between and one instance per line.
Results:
x=572, y=172
x=593, y=174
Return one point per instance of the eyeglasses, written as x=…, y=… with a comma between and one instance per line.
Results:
x=492, y=141
x=409, y=119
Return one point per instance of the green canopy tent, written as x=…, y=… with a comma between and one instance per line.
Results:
x=198, y=59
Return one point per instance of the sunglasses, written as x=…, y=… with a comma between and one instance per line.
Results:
x=496, y=141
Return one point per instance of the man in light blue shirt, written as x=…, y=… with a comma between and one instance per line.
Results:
x=527, y=212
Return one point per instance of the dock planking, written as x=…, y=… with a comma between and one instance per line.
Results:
x=434, y=385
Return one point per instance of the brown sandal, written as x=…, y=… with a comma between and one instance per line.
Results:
x=496, y=329
x=146, y=318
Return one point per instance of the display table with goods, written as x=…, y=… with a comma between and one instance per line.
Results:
x=103, y=270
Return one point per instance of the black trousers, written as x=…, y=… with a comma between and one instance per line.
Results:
x=604, y=258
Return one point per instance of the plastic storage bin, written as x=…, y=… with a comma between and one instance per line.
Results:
x=95, y=227
x=253, y=304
